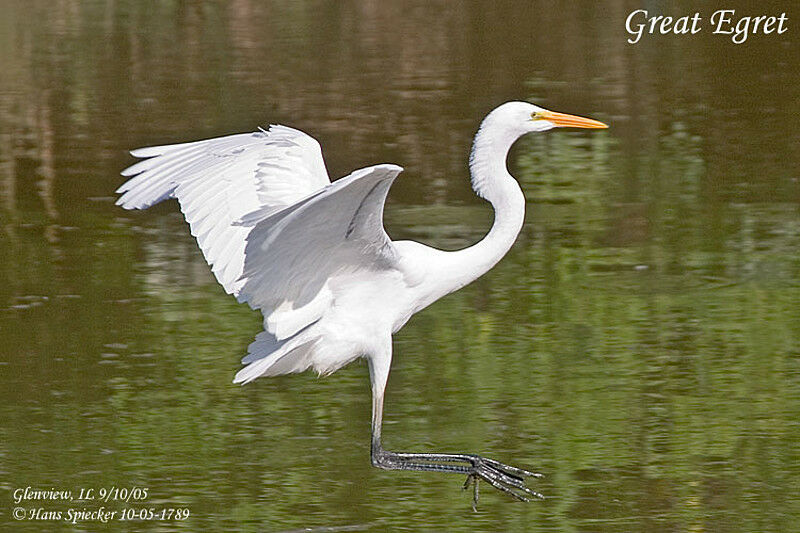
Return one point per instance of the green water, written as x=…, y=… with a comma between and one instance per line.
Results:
x=640, y=345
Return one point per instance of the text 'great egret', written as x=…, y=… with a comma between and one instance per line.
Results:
x=313, y=255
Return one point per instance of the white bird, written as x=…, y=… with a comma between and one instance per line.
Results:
x=314, y=257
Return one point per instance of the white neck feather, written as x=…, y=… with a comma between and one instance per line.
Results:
x=490, y=180
x=487, y=161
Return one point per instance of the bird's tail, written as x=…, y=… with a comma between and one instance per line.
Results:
x=267, y=357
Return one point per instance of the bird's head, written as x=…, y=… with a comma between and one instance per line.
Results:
x=501, y=128
x=520, y=118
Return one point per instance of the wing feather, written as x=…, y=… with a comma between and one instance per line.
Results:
x=291, y=255
x=218, y=181
x=270, y=223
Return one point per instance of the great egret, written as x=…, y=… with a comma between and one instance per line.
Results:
x=313, y=255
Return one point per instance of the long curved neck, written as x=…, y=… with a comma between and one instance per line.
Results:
x=491, y=180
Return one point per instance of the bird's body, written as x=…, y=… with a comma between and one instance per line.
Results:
x=314, y=258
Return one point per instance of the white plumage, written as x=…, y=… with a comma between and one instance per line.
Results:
x=221, y=181
x=266, y=196
x=314, y=258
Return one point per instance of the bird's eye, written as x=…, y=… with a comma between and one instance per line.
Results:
x=536, y=115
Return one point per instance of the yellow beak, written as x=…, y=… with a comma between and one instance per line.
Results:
x=571, y=121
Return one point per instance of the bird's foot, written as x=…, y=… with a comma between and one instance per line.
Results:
x=503, y=477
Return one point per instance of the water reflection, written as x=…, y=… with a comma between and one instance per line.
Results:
x=639, y=345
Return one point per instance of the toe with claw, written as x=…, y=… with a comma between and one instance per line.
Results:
x=503, y=477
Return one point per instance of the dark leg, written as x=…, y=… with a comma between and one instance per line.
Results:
x=505, y=478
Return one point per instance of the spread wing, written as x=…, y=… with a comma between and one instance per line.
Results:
x=268, y=220
x=219, y=181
